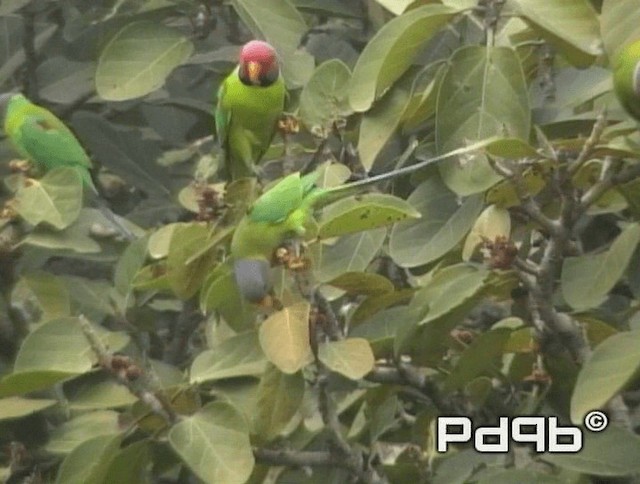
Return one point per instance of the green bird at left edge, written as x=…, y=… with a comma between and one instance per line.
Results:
x=249, y=104
x=40, y=137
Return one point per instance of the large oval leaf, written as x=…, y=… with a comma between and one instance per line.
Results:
x=239, y=355
x=138, y=59
x=613, y=452
x=391, y=51
x=56, y=198
x=351, y=357
x=587, y=279
x=284, y=338
x=571, y=26
x=442, y=226
x=364, y=212
x=324, y=98
x=278, y=400
x=493, y=222
x=604, y=374
x=482, y=94
x=214, y=443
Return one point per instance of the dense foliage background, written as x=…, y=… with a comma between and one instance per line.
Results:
x=515, y=293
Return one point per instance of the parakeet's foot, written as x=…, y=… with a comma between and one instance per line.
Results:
x=20, y=166
x=288, y=124
x=293, y=257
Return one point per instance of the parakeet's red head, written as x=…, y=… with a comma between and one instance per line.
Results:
x=258, y=64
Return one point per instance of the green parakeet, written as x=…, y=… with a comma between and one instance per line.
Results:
x=250, y=102
x=41, y=137
x=626, y=78
x=282, y=212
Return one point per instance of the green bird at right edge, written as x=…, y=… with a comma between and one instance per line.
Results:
x=250, y=103
x=626, y=78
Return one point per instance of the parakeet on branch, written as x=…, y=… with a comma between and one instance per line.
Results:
x=250, y=103
x=626, y=78
x=283, y=211
x=41, y=137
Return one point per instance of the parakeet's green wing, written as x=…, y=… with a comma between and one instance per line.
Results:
x=222, y=117
x=279, y=201
x=50, y=144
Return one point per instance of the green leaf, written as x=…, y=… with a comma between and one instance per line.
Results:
x=100, y=395
x=87, y=462
x=571, y=26
x=351, y=357
x=65, y=81
x=17, y=407
x=610, y=367
x=441, y=228
x=587, y=279
x=68, y=436
x=186, y=273
x=56, y=198
x=60, y=345
x=220, y=293
x=437, y=308
x=43, y=292
x=159, y=240
x=138, y=59
x=21, y=382
x=391, y=52
x=129, y=463
x=214, y=443
x=365, y=283
x=482, y=94
x=76, y=238
x=279, y=399
x=239, y=355
x=324, y=97
x=284, y=337
x=378, y=302
x=480, y=358
x=619, y=25
x=493, y=222
x=282, y=26
x=129, y=264
x=613, y=452
x=349, y=254
x=364, y=212
x=380, y=122
x=396, y=7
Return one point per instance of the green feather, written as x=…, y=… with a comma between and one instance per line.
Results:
x=246, y=117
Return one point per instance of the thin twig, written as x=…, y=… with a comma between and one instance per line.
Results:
x=126, y=373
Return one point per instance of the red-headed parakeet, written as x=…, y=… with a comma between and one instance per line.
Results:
x=626, y=78
x=250, y=103
x=41, y=137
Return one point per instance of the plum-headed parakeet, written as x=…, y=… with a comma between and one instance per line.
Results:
x=283, y=212
x=250, y=102
x=626, y=78
x=41, y=137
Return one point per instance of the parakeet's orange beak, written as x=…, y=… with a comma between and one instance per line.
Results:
x=253, y=70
